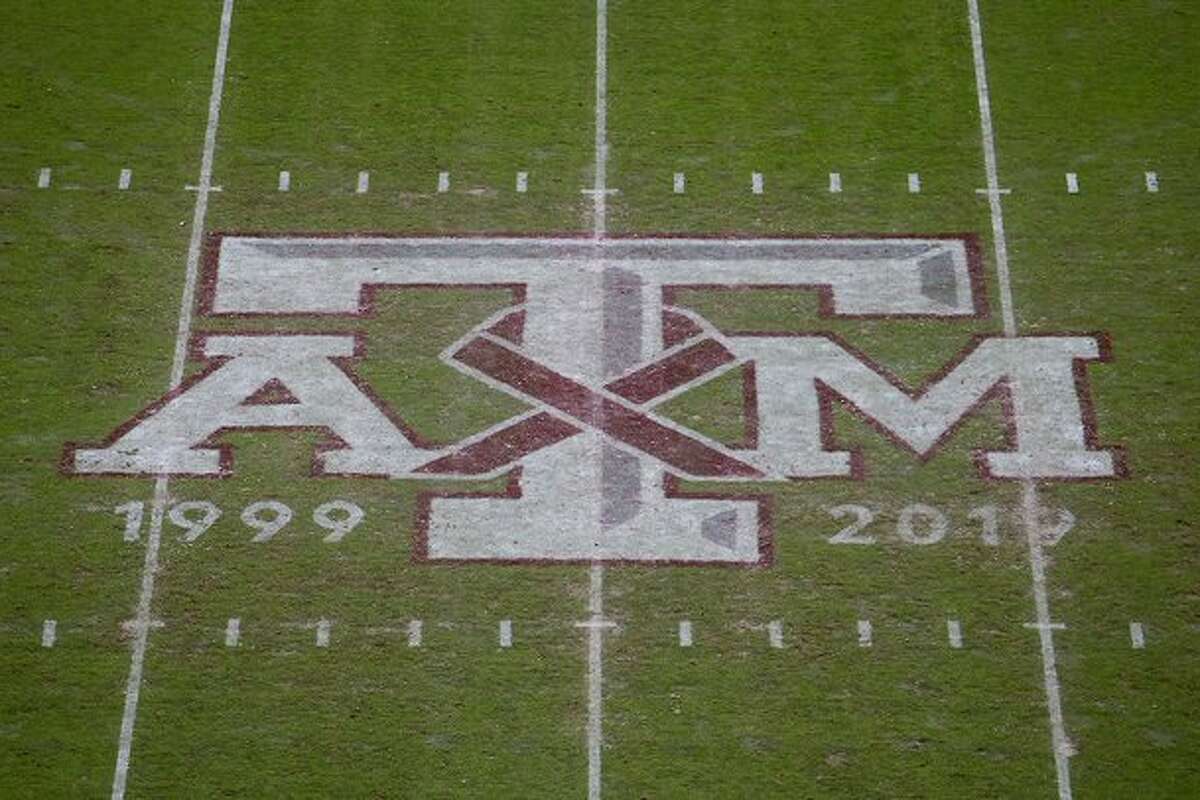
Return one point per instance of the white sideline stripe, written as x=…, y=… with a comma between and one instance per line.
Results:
x=125, y=179
x=680, y=185
x=1152, y=182
x=756, y=182
x=914, y=183
x=323, y=627
x=443, y=182
x=1137, y=636
x=233, y=631
x=685, y=633
x=137, y=660
x=1037, y=562
x=522, y=182
x=414, y=633
x=44, y=178
x=835, y=182
x=364, y=182
x=595, y=679
x=864, y=633
x=49, y=632
x=285, y=181
x=954, y=633
x=775, y=634
x=1072, y=183
x=506, y=633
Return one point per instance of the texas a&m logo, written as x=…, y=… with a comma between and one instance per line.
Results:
x=593, y=343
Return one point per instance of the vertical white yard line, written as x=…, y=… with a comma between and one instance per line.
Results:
x=1029, y=501
x=595, y=727
x=142, y=620
x=595, y=680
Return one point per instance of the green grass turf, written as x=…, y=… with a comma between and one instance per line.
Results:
x=483, y=90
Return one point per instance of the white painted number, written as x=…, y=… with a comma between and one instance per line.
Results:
x=989, y=518
x=1052, y=532
x=277, y=515
x=133, y=511
x=936, y=524
x=851, y=533
x=339, y=517
x=182, y=513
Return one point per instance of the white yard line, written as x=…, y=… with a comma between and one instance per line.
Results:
x=596, y=624
x=142, y=622
x=1029, y=502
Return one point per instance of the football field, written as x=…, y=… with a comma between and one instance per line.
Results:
x=600, y=399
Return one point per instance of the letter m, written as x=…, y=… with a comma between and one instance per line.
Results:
x=1040, y=382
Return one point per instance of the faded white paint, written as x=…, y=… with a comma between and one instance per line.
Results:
x=522, y=182
x=835, y=182
x=347, y=518
x=133, y=511
x=931, y=529
x=364, y=182
x=125, y=179
x=1072, y=183
x=865, y=633
x=49, y=632
x=323, y=631
x=1137, y=636
x=954, y=633
x=914, y=183
x=183, y=515
x=775, y=634
x=853, y=533
x=443, y=182
x=506, y=633
x=414, y=632
x=1152, y=182
x=685, y=633
x=43, y=180
x=233, y=631
x=756, y=182
x=285, y=181
x=680, y=185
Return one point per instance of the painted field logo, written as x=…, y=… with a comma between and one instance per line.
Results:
x=594, y=344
